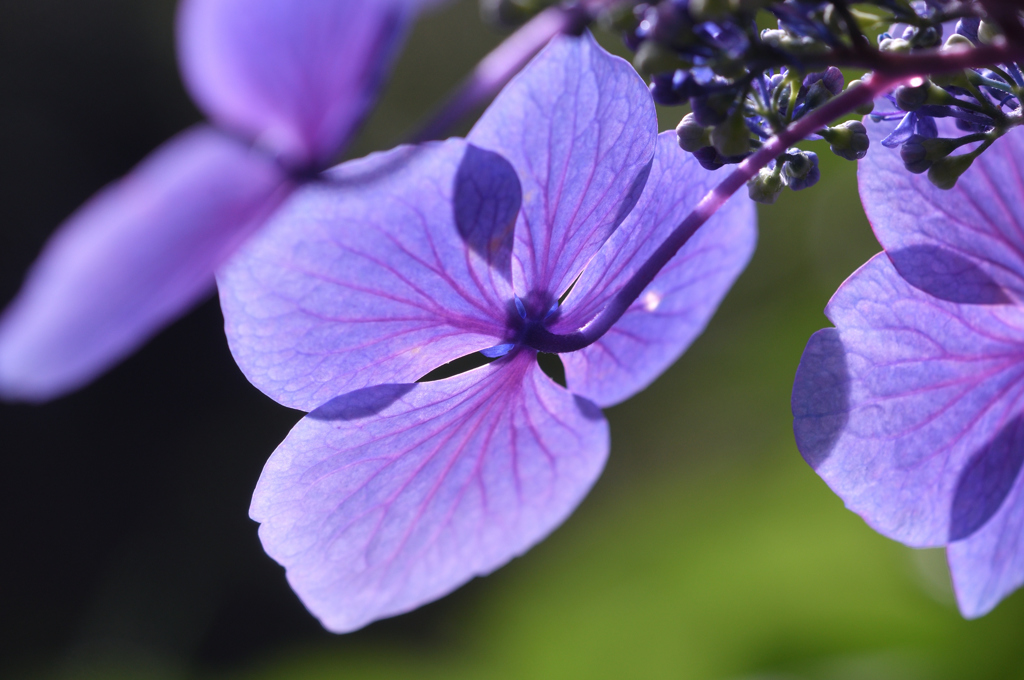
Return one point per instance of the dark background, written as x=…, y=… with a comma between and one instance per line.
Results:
x=707, y=550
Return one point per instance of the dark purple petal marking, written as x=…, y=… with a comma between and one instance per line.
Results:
x=296, y=77
x=579, y=127
x=674, y=309
x=392, y=496
x=927, y=386
x=132, y=259
x=963, y=245
x=367, y=278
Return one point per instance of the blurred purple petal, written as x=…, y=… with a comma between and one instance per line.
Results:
x=399, y=263
x=132, y=259
x=963, y=245
x=579, y=127
x=674, y=309
x=905, y=409
x=989, y=565
x=392, y=496
x=297, y=77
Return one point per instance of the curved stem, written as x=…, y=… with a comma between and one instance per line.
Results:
x=544, y=340
x=500, y=65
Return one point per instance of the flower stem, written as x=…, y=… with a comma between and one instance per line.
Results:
x=500, y=65
x=853, y=98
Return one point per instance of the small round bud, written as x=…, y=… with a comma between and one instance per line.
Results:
x=848, y=140
x=801, y=170
x=988, y=32
x=653, y=57
x=945, y=172
x=895, y=45
x=766, y=186
x=914, y=156
x=692, y=135
x=910, y=98
x=863, y=109
x=957, y=42
x=709, y=158
x=712, y=109
x=731, y=137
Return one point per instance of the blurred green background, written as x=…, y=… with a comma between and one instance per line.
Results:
x=708, y=549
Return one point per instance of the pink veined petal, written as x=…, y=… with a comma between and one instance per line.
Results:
x=964, y=245
x=397, y=264
x=297, y=77
x=132, y=259
x=392, y=496
x=989, y=565
x=906, y=407
x=675, y=308
x=579, y=127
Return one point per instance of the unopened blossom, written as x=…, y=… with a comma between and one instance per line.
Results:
x=912, y=407
x=393, y=492
x=284, y=85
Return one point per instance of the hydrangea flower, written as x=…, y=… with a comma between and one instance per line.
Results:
x=393, y=492
x=912, y=407
x=284, y=84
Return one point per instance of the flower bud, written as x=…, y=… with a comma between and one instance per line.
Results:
x=653, y=57
x=988, y=32
x=920, y=153
x=712, y=109
x=863, y=109
x=848, y=140
x=709, y=158
x=766, y=187
x=691, y=134
x=801, y=170
x=895, y=45
x=731, y=137
x=945, y=172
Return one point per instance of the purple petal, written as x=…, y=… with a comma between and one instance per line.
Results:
x=397, y=265
x=579, y=127
x=674, y=309
x=963, y=245
x=132, y=259
x=392, y=496
x=904, y=408
x=989, y=565
x=298, y=77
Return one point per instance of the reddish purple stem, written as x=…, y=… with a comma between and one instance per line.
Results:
x=499, y=66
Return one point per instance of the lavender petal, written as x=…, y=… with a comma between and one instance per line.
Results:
x=674, y=309
x=391, y=267
x=392, y=496
x=905, y=407
x=131, y=260
x=579, y=127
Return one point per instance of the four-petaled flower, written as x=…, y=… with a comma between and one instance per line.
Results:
x=285, y=85
x=912, y=407
x=393, y=492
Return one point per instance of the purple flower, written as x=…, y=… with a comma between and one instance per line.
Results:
x=912, y=407
x=284, y=84
x=393, y=492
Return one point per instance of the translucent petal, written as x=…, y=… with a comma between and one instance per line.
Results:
x=963, y=245
x=579, y=127
x=674, y=309
x=989, y=565
x=132, y=259
x=397, y=264
x=909, y=409
x=392, y=496
x=297, y=77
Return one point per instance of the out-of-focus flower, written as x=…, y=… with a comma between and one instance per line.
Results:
x=393, y=492
x=284, y=84
x=912, y=407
